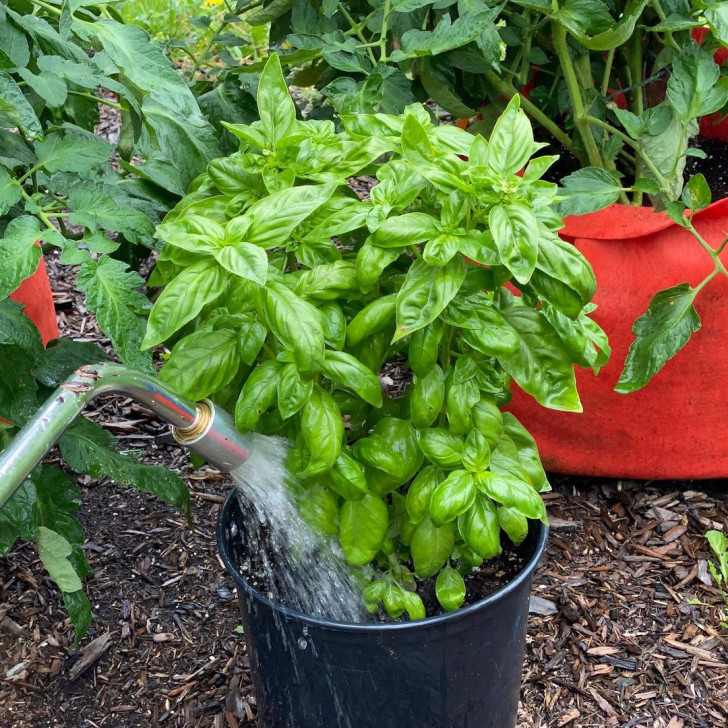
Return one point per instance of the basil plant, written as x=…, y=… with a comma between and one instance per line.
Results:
x=285, y=296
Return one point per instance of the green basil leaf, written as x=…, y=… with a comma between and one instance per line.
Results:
x=428, y=396
x=488, y=420
x=297, y=325
x=378, y=315
x=403, y=230
x=515, y=524
x=363, y=527
x=659, y=335
x=322, y=429
x=245, y=260
x=441, y=248
x=275, y=105
x=392, y=448
x=450, y=589
x=441, y=447
x=476, y=453
x=516, y=234
x=420, y=492
x=328, y=282
x=431, y=547
x=252, y=338
x=320, y=510
x=480, y=529
x=425, y=293
x=349, y=372
x=511, y=143
x=511, y=492
x=219, y=352
x=257, y=395
x=423, y=348
x=333, y=322
x=452, y=497
x=527, y=451
x=541, y=367
x=347, y=478
x=461, y=398
x=293, y=393
x=413, y=604
x=183, y=299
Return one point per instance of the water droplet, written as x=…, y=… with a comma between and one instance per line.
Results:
x=302, y=644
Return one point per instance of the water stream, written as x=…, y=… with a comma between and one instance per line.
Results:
x=303, y=570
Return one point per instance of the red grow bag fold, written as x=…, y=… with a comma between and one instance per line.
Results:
x=35, y=294
x=677, y=426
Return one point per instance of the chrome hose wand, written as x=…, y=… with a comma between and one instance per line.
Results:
x=203, y=427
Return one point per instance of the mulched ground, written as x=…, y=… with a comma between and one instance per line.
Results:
x=624, y=630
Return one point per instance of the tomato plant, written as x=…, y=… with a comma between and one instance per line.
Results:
x=284, y=295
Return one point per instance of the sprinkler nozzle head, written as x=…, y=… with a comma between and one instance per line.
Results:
x=213, y=436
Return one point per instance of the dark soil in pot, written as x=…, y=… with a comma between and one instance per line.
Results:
x=458, y=670
x=481, y=582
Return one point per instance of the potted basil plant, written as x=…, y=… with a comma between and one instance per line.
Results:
x=287, y=299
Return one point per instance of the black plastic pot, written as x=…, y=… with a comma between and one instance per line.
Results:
x=459, y=670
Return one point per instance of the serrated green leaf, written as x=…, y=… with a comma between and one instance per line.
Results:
x=19, y=254
x=68, y=151
x=112, y=293
x=588, y=190
x=54, y=551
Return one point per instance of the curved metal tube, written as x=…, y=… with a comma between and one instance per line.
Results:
x=204, y=428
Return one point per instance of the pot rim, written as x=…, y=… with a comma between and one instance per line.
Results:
x=368, y=627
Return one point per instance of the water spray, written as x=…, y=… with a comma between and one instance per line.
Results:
x=203, y=427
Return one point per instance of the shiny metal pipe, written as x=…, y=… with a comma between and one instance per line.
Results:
x=204, y=428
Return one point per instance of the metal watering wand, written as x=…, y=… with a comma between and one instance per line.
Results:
x=203, y=427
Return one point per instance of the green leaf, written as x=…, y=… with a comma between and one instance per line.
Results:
x=441, y=447
x=563, y=262
x=450, y=589
x=275, y=105
x=362, y=529
x=693, y=88
x=423, y=348
x=347, y=478
x=51, y=88
x=296, y=324
x=588, y=190
x=245, y=260
x=370, y=264
x=87, y=448
x=320, y=509
x=322, y=429
x=54, y=551
x=480, y=529
x=512, y=492
x=183, y=299
x=66, y=151
x=541, y=366
x=420, y=492
x=14, y=50
x=428, y=396
x=476, y=453
x=425, y=293
x=377, y=315
x=717, y=17
x=63, y=356
x=79, y=610
x=112, y=293
x=515, y=524
x=511, y=143
x=633, y=124
x=452, y=497
x=334, y=324
x=527, y=451
x=257, y=395
x=328, y=281
x=94, y=207
x=10, y=191
x=16, y=107
x=275, y=217
x=346, y=370
x=431, y=547
x=217, y=349
x=392, y=448
x=17, y=518
x=488, y=420
x=57, y=498
x=696, y=194
x=659, y=335
x=584, y=17
x=516, y=234
x=403, y=230
x=19, y=254
x=293, y=392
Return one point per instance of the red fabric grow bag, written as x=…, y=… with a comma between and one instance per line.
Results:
x=35, y=294
x=677, y=426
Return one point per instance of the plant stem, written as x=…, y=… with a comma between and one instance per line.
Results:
x=607, y=72
x=356, y=29
x=714, y=254
x=91, y=97
x=533, y=111
x=385, y=27
x=628, y=140
x=577, y=104
x=635, y=64
x=47, y=6
x=40, y=214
